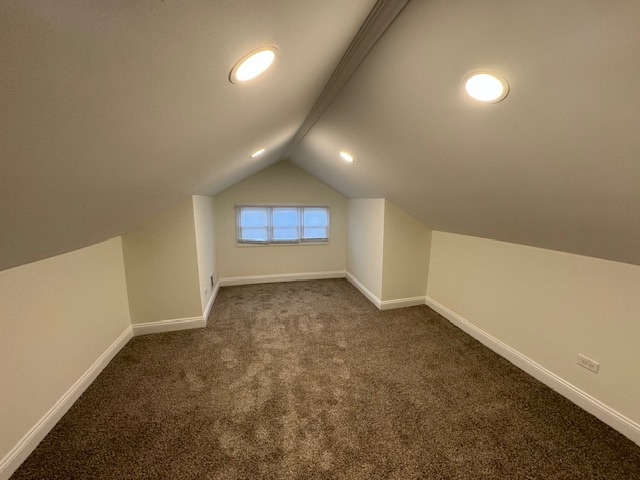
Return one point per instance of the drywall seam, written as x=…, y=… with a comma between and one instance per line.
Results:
x=34, y=436
x=401, y=303
x=287, y=277
x=171, y=325
x=608, y=415
x=364, y=290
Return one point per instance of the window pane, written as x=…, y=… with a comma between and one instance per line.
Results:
x=315, y=217
x=255, y=234
x=254, y=217
x=253, y=224
x=286, y=224
x=285, y=217
x=285, y=234
x=316, y=223
x=315, y=232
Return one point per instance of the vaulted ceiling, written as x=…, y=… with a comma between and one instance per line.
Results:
x=111, y=112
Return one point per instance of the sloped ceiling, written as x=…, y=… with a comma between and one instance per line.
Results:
x=555, y=165
x=113, y=111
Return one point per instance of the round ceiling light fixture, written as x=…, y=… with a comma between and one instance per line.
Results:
x=253, y=64
x=486, y=86
x=346, y=157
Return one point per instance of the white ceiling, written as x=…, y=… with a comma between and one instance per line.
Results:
x=111, y=112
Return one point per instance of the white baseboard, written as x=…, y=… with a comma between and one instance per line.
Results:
x=34, y=436
x=384, y=304
x=364, y=290
x=286, y=277
x=171, y=325
x=608, y=415
x=209, y=306
x=401, y=303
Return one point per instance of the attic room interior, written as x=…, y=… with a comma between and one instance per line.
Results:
x=345, y=266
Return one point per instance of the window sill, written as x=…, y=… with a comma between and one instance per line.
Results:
x=300, y=244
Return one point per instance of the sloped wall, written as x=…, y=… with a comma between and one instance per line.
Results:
x=406, y=250
x=162, y=267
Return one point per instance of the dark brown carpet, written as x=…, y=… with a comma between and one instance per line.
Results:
x=309, y=380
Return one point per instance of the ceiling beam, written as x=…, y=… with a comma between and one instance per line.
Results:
x=375, y=25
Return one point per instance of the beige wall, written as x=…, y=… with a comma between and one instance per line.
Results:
x=282, y=183
x=57, y=317
x=406, y=249
x=162, y=267
x=549, y=306
x=204, y=222
x=366, y=235
x=388, y=250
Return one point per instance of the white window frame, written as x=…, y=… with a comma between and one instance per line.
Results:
x=270, y=228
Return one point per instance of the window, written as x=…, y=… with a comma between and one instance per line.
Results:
x=264, y=225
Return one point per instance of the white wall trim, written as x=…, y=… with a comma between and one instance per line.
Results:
x=364, y=290
x=608, y=415
x=401, y=303
x=207, y=309
x=384, y=304
x=27, y=444
x=171, y=325
x=285, y=277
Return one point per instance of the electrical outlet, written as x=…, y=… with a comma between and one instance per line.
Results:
x=588, y=363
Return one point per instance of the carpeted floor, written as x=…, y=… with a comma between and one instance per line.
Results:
x=309, y=380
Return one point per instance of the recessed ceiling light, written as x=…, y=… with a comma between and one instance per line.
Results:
x=258, y=153
x=253, y=64
x=488, y=87
x=346, y=157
